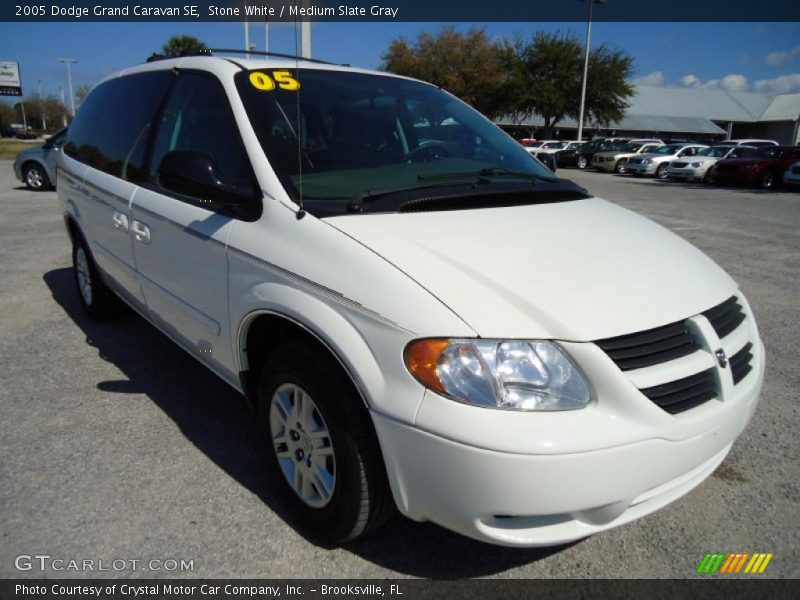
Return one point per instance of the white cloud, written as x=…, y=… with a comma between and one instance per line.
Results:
x=730, y=83
x=654, y=78
x=781, y=57
x=734, y=83
x=782, y=84
x=690, y=80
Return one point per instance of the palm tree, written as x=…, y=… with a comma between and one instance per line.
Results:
x=179, y=45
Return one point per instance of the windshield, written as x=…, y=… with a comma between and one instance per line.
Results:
x=362, y=132
x=768, y=152
x=668, y=149
x=715, y=151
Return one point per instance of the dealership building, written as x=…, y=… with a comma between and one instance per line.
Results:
x=688, y=114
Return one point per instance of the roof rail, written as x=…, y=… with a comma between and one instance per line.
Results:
x=276, y=54
x=198, y=52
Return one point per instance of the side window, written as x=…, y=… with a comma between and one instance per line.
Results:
x=198, y=117
x=112, y=126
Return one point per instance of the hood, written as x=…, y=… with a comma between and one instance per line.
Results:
x=659, y=157
x=35, y=150
x=580, y=270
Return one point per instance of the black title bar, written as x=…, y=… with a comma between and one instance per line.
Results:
x=400, y=10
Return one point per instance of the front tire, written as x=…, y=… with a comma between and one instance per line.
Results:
x=36, y=178
x=619, y=168
x=661, y=172
x=582, y=162
x=95, y=297
x=767, y=180
x=324, y=456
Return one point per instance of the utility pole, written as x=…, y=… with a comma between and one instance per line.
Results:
x=266, y=36
x=305, y=50
x=64, y=104
x=69, y=62
x=41, y=107
x=247, y=39
x=586, y=65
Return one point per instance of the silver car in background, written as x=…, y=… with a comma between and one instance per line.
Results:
x=36, y=166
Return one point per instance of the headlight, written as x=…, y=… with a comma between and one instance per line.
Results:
x=648, y=161
x=506, y=374
x=697, y=165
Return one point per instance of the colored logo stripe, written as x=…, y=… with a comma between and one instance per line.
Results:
x=734, y=562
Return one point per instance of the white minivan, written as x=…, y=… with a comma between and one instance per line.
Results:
x=422, y=316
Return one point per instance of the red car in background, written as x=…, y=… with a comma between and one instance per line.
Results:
x=764, y=168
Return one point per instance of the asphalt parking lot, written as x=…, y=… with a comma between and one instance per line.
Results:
x=117, y=444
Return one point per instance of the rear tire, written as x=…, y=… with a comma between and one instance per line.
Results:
x=95, y=297
x=324, y=457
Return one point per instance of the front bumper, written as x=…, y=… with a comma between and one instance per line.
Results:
x=687, y=173
x=18, y=171
x=540, y=479
x=641, y=168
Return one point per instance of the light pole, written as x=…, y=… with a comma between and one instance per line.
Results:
x=41, y=105
x=586, y=65
x=70, y=61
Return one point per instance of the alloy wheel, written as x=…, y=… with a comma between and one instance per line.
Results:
x=34, y=178
x=302, y=443
x=84, y=275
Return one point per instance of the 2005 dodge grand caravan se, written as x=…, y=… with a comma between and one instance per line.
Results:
x=420, y=313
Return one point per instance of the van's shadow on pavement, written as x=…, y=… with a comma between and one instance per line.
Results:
x=217, y=421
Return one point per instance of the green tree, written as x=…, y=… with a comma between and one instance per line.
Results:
x=545, y=76
x=7, y=114
x=178, y=45
x=468, y=65
x=81, y=92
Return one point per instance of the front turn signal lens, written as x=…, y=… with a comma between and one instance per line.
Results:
x=422, y=360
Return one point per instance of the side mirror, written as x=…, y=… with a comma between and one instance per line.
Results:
x=195, y=174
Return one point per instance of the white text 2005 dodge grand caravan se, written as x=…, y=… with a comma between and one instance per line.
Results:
x=421, y=315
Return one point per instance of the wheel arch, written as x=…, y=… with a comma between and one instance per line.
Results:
x=263, y=330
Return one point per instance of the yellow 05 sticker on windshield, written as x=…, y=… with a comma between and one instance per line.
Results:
x=265, y=82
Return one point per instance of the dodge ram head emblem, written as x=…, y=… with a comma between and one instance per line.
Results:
x=722, y=360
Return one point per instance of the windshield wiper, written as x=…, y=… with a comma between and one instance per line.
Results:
x=365, y=196
x=479, y=176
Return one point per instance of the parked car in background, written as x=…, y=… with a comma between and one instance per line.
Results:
x=19, y=131
x=548, y=159
x=36, y=166
x=527, y=141
x=552, y=146
x=656, y=163
x=568, y=157
x=584, y=157
x=701, y=166
x=748, y=142
x=792, y=175
x=764, y=168
x=615, y=160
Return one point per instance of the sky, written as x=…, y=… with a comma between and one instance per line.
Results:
x=762, y=57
